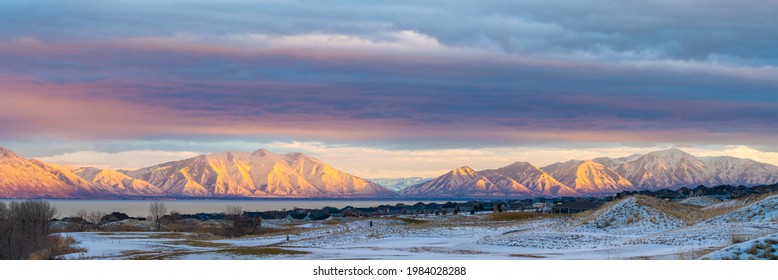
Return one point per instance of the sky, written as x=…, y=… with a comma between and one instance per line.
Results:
x=387, y=88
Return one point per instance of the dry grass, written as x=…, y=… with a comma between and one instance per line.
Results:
x=261, y=251
x=245, y=251
x=517, y=216
x=527, y=256
x=588, y=216
x=739, y=238
x=687, y=213
x=171, y=235
x=198, y=243
x=411, y=221
x=745, y=202
x=59, y=246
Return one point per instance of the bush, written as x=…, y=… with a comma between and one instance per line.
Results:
x=24, y=229
x=737, y=238
x=753, y=250
x=240, y=223
x=56, y=246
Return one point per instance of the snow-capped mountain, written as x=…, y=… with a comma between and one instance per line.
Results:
x=520, y=179
x=257, y=174
x=589, y=177
x=117, y=183
x=458, y=183
x=25, y=178
x=671, y=169
x=536, y=180
x=226, y=174
x=737, y=171
x=674, y=168
x=295, y=175
x=614, y=163
x=398, y=184
x=665, y=169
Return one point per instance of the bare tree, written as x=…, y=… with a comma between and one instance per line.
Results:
x=233, y=210
x=156, y=211
x=81, y=214
x=94, y=217
x=6, y=232
x=24, y=228
x=240, y=223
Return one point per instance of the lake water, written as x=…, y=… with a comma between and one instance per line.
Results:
x=140, y=208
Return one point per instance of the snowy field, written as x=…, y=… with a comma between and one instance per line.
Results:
x=632, y=228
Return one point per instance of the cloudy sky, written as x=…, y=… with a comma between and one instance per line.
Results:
x=387, y=88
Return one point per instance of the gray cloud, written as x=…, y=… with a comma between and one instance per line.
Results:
x=476, y=73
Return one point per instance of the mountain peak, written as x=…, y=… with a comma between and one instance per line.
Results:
x=6, y=153
x=463, y=171
x=520, y=164
x=261, y=153
x=301, y=156
x=671, y=151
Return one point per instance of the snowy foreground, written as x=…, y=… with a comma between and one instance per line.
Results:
x=632, y=228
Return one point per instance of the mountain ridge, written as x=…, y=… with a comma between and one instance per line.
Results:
x=260, y=174
x=264, y=174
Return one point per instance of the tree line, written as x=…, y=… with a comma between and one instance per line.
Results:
x=24, y=232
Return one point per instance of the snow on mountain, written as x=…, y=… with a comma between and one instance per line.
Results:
x=589, y=177
x=331, y=181
x=6, y=153
x=257, y=174
x=116, y=182
x=675, y=168
x=614, y=163
x=398, y=184
x=737, y=171
x=295, y=175
x=536, y=180
x=23, y=178
x=519, y=179
x=458, y=183
x=671, y=168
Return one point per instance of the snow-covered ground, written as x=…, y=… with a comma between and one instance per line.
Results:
x=701, y=201
x=758, y=249
x=110, y=245
x=628, y=229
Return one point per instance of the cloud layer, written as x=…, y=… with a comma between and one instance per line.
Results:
x=392, y=74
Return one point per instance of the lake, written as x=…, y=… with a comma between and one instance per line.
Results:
x=140, y=208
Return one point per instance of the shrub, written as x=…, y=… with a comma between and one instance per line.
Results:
x=24, y=229
x=736, y=238
x=57, y=246
x=753, y=250
x=240, y=223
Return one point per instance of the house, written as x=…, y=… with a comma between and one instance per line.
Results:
x=540, y=205
x=431, y=208
x=515, y=206
x=486, y=206
x=332, y=211
x=449, y=207
x=415, y=209
x=466, y=207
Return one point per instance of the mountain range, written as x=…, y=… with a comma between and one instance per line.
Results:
x=397, y=184
x=225, y=174
x=263, y=174
x=665, y=169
